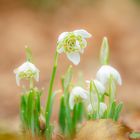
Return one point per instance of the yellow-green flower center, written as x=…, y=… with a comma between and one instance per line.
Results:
x=27, y=74
x=71, y=43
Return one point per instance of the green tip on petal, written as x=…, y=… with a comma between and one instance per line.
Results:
x=104, y=52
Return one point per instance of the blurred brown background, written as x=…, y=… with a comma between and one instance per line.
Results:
x=37, y=23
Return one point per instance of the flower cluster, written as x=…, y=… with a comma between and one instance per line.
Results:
x=77, y=102
x=96, y=91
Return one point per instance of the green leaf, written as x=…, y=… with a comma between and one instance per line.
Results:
x=111, y=92
x=112, y=109
x=48, y=116
x=104, y=115
x=37, y=111
x=49, y=132
x=28, y=54
x=68, y=132
x=77, y=115
x=62, y=81
x=65, y=84
x=23, y=107
x=50, y=108
x=30, y=111
x=80, y=111
x=68, y=77
x=62, y=115
x=104, y=52
x=117, y=111
x=94, y=116
x=94, y=92
x=135, y=135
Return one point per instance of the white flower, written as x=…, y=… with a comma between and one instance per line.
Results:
x=73, y=43
x=77, y=94
x=27, y=70
x=90, y=108
x=93, y=108
x=105, y=72
x=99, y=86
x=103, y=108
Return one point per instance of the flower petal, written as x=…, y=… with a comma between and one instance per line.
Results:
x=77, y=45
x=105, y=72
x=77, y=92
x=74, y=58
x=84, y=42
x=90, y=108
x=71, y=102
x=103, y=108
x=62, y=36
x=37, y=76
x=82, y=33
x=17, y=80
x=99, y=86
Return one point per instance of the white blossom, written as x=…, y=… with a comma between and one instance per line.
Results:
x=105, y=72
x=26, y=71
x=77, y=95
x=98, y=85
x=103, y=108
x=93, y=108
x=72, y=44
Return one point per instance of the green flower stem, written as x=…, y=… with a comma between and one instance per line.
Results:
x=98, y=109
x=91, y=88
x=48, y=105
x=68, y=114
x=31, y=83
x=111, y=96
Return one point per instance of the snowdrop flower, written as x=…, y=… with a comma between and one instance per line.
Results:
x=26, y=71
x=104, y=73
x=91, y=109
x=72, y=44
x=103, y=108
x=99, y=86
x=77, y=94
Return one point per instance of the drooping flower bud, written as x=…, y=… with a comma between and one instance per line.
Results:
x=26, y=71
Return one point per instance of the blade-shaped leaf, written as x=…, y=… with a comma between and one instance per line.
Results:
x=77, y=115
x=50, y=108
x=37, y=111
x=68, y=77
x=23, y=109
x=30, y=111
x=62, y=115
x=112, y=109
x=117, y=111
